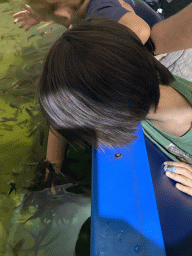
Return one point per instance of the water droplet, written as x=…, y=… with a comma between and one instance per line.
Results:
x=137, y=249
x=108, y=222
x=119, y=237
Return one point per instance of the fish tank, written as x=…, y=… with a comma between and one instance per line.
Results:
x=33, y=220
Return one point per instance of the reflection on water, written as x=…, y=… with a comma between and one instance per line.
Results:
x=55, y=220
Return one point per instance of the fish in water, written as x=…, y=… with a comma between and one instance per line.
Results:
x=29, y=112
x=33, y=131
x=17, y=247
x=31, y=37
x=42, y=33
x=22, y=123
x=31, y=164
x=8, y=119
x=14, y=106
x=34, y=108
x=42, y=136
x=17, y=113
x=13, y=187
x=11, y=67
x=7, y=127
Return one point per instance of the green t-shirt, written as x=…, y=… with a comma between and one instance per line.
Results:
x=177, y=148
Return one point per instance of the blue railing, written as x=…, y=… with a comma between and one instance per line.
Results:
x=124, y=219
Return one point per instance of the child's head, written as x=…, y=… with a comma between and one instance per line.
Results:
x=63, y=12
x=99, y=77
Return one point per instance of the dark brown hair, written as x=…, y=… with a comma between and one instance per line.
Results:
x=98, y=82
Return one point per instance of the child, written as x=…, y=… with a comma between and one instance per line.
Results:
x=66, y=12
x=101, y=89
x=166, y=34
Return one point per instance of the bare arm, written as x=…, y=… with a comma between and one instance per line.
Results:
x=174, y=33
x=55, y=153
x=135, y=23
x=56, y=149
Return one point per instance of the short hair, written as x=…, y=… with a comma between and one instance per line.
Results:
x=98, y=82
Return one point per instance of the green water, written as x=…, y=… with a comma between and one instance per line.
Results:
x=21, y=60
x=23, y=130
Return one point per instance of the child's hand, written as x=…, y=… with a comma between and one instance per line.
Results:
x=29, y=18
x=182, y=173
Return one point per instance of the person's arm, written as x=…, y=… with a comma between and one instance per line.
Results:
x=137, y=25
x=30, y=18
x=56, y=147
x=134, y=22
x=173, y=34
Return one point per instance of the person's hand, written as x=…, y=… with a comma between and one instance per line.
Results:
x=57, y=170
x=29, y=18
x=182, y=173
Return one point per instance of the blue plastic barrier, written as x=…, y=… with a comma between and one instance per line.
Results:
x=174, y=206
x=124, y=219
x=136, y=209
